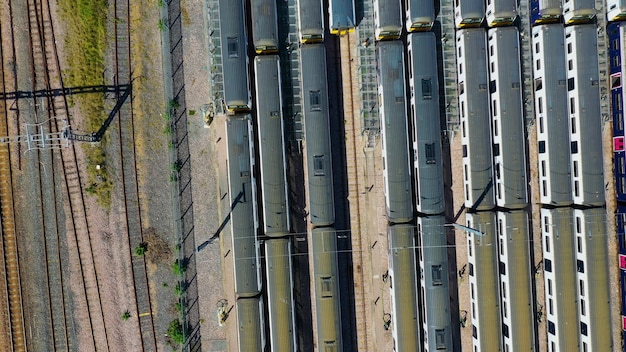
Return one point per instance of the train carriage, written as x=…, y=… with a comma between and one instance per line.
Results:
x=616, y=10
x=474, y=104
x=583, y=92
x=271, y=146
x=578, y=11
x=314, y=89
x=310, y=21
x=550, y=94
x=395, y=137
x=468, y=13
x=419, y=16
x=264, y=26
x=616, y=35
x=435, y=284
x=326, y=287
x=403, y=288
x=282, y=329
x=509, y=148
x=425, y=114
x=545, y=11
x=387, y=19
x=250, y=324
x=237, y=96
x=341, y=16
x=501, y=12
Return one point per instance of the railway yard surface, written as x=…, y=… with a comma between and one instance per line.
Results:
x=152, y=264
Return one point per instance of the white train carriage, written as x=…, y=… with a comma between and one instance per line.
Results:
x=403, y=288
x=395, y=136
x=559, y=271
x=310, y=21
x=425, y=115
x=484, y=284
x=420, y=15
x=516, y=280
x=583, y=92
x=550, y=88
x=435, y=285
x=545, y=11
x=507, y=117
x=501, y=12
x=468, y=13
x=387, y=19
x=235, y=64
x=474, y=104
x=616, y=10
x=578, y=11
x=592, y=274
x=616, y=33
x=264, y=26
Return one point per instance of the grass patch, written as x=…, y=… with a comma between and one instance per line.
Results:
x=175, y=332
x=85, y=45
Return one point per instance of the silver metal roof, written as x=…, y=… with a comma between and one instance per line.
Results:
x=271, y=146
x=250, y=322
x=388, y=16
x=234, y=54
x=419, y=14
x=264, y=25
x=395, y=136
x=424, y=85
x=314, y=92
x=310, y=19
x=279, y=294
x=341, y=15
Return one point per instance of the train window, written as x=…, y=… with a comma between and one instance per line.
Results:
x=505, y=330
x=472, y=291
x=461, y=90
x=584, y=346
x=549, y=283
x=574, y=147
x=503, y=290
x=430, y=153
x=469, y=246
x=561, y=82
x=538, y=84
x=616, y=81
x=460, y=51
x=494, y=103
x=318, y=165
x=581, y=286
x=536, y=45
x=460, y=68
x=569, y=47
x=330, y=346
x=326, y=285
x=618, y=102
x=553, y=346
x=315, y=100
x=576, y=191
x=463, y=128
x=471, y=269
x=496, y=149
x=440, y=339
x=547, y=244
x=495, y=127
x=482, y=86
x=502, y=268
x=465, y=174
x=622, y=166
x=464, y=151
x=570, y=84
x=427, y=89
x=542, y=146
x=570, y=64
x=550, y=307
x=540, y=124
x=492, y=86
x=233, y=47
x=544, y=187
x=547, y=265
x=615, y=62
x=540, y=105
x=437, y=277
x=580, y=266
x=501, y=247
x=572, y=105
x=579, y=244
x=573, y=123
x=578, y=225
x=615, y=45
x=462, y=109
x=493, y=67
x=474, y=332
x=575, y=168
x=543, y=168
x=538, y=64
x=546, y=224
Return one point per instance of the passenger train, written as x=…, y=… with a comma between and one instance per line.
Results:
x=425, y=116
x=237, y=96
x=578, y=11
x=274, y=200
x=583, y=92
x=616, y=10
x=473, y=83
x=243, y=220
x=387, y=19
x=420, y=15
x=616, y=36
x=545, y=11
x=553, y=124
x=501, y=12
x=394, y=128
x=310, y=21
x=468, y=13
x=341, y=16
x=264, y=26
x=507, y=117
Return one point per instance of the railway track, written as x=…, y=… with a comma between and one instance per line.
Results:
x=130, y=187
x=14, y=332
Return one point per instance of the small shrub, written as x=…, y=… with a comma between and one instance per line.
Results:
x=192, y=112
x=173, y=104
x=179, y=267
x=161, y=25
x=175, y=332
x=126, y=315
x=180, y=289
x=141, y=249
x=179, y=307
